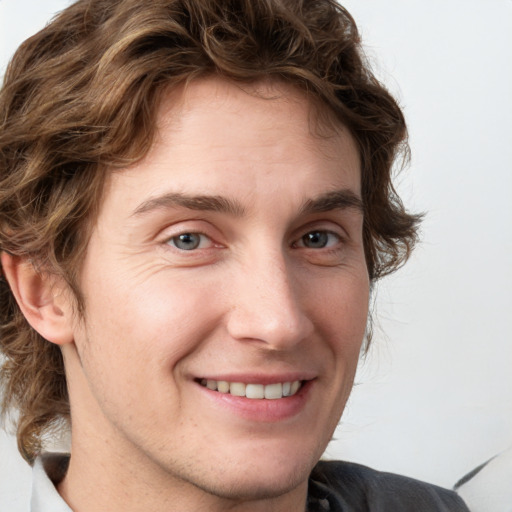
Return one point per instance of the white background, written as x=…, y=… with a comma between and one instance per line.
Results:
x=434, y=397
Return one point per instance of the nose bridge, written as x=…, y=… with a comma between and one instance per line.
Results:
x=267, y=303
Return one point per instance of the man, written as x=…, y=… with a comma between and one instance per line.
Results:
x=196, y=200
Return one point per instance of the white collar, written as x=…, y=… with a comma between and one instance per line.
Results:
x=45, y=497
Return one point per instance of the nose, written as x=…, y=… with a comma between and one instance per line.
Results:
x=267, y=304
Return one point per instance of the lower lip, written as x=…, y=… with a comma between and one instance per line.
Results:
x=261, y=410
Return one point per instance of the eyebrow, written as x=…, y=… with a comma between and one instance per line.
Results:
x=344, y=199
x=336, y=200
x=200, y=203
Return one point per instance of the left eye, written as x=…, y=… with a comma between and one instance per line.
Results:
x=189, y=241
x=319, y=239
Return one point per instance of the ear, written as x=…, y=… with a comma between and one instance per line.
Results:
x=43, y=300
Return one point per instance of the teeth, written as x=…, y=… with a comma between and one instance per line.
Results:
x=223, y=386
x=254, y=391
x=273, y=391
x=237, y=389
x=295, y=387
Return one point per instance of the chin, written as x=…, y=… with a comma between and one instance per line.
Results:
x=254, y=487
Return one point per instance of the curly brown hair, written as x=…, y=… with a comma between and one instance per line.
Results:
x=80, y=97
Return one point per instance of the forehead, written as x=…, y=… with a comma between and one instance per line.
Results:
x=251, y=105
x=221, y=137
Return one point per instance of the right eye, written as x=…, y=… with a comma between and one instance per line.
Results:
x=319, y=239
x=190, y=241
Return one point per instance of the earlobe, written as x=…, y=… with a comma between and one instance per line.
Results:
x=41, y=300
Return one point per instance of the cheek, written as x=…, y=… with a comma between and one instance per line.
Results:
x=134, y=338
x=343, y=311
x=161, y=319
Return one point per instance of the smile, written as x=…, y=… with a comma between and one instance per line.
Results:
x=254, y=391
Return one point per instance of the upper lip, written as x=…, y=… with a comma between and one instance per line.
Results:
x=260, y=378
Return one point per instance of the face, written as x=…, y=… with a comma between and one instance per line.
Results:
x=226, y=294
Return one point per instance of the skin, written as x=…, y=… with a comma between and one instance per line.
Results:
x=258, y=299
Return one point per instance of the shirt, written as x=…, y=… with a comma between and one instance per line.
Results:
x=348, y=487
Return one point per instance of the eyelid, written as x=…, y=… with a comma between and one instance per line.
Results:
x=325, y=225
x=190, y=226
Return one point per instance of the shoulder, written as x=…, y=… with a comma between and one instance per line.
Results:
x=353, y=487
